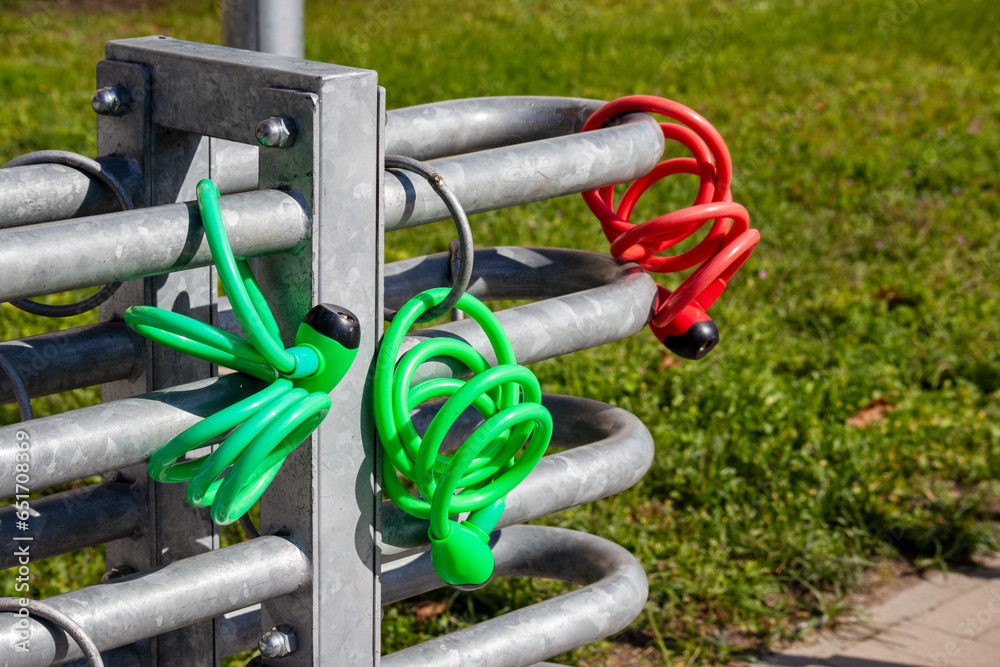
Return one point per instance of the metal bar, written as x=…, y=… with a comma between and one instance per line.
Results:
x=88, y=441
x=551, y=327
x=119, y=433
x=606, y=450
x=41, y=259
x=48, y=192
x=172, y=164
x=613, y=593
x=508, y=272
x=173, y=596
x=453, y=127
x=615, y=155
x=500, y=273
x=44, y=192
x=72, y=520
x=73, y=358
x=327, y=486
x=528, y=172
x=271, y=26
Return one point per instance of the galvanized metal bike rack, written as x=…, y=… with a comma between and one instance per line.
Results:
x=313, y=207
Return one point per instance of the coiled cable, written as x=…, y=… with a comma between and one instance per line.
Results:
x=494, y=459
x=258, y=433
x=723, y=250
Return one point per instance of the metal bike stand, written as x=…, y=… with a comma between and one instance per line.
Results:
x=297, y=149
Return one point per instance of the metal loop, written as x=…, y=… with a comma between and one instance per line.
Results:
x=462, y=277
x=95, y=169
x=247, y=523
x=64, y=622
x=454, y=266
x=17, y=386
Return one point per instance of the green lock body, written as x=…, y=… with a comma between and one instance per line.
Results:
x=335, y=333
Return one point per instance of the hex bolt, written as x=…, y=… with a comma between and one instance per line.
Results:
x=110, y=101
x=278, y=642
x=276, y=132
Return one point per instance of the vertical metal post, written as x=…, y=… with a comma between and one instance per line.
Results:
x=325, y=494
x=270, y=26
x=171, y=163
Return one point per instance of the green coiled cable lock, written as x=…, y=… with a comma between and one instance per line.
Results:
x=270, y=424
x=493, y=460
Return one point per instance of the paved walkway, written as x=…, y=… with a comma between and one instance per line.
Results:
x=945, y=620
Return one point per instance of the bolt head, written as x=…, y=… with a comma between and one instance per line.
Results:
x=277, y=642
x=276, y=132
x=110, y=101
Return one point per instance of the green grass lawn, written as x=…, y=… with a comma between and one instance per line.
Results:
x=865, y=141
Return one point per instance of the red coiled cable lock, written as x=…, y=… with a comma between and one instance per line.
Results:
x=680, y=320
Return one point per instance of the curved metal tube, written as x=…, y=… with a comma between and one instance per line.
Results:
x=615, y=302
x=544, y=163
x=125, y=610
x=73, y=358
x=110, y=436
x=528, y=172
x=614, y=590
x=606, y=450
x=74, y=519
x=452, y=127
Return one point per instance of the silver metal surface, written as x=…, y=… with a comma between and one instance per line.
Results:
x=528, y=172
x=166, y=599
x=460, y=275
x=110, y=101
x=37, y=609
x=74, y=519
x=276, y=132
x=41, y=259
x=43, y=193
x=453, y=127
x=606, y=450
x=614, y=301
x=278, y=642
x=615, y=311
x=77, y=444
x=271, y=26
x=574, y=164
x=330, y=202
x=133, y=655
x=327, y=486
x=171, y=163
x=73, y=358
x=237, y=631
x=613, y=593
